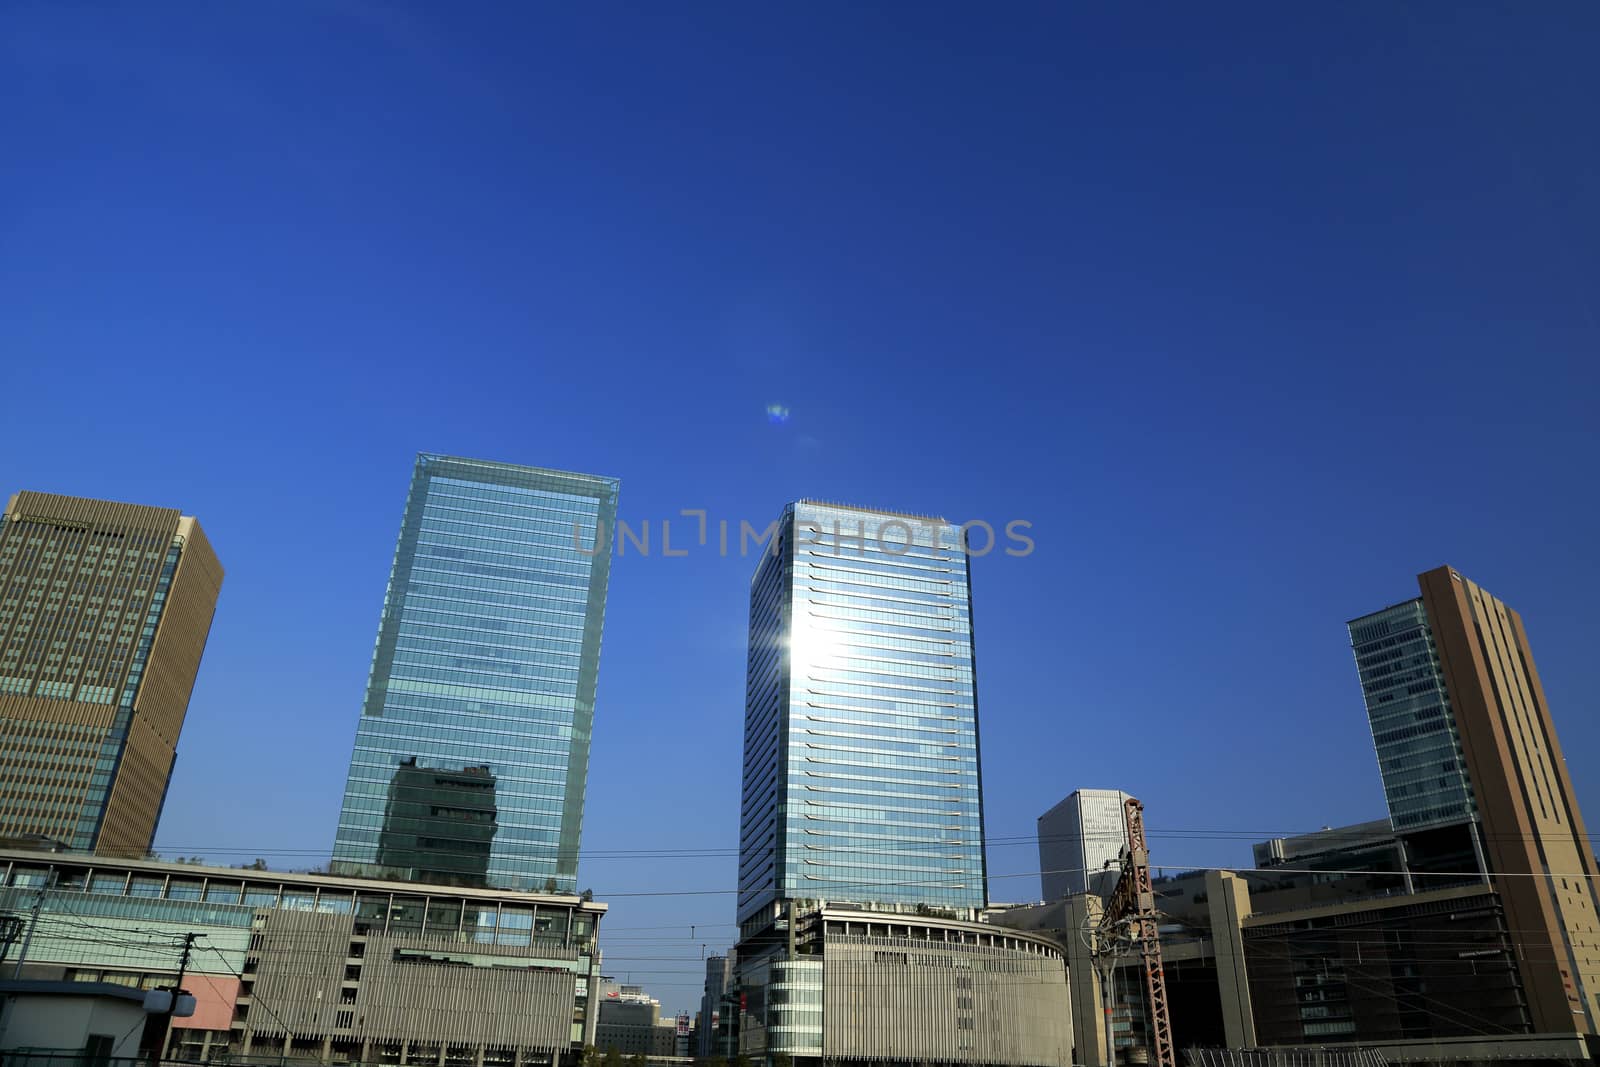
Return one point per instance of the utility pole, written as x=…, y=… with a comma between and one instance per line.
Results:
x=11, y=929
x=1105, y=948
x=33, y=921
x=160, y=1047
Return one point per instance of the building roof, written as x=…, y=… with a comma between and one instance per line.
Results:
x=110, y=990
x=339, y=881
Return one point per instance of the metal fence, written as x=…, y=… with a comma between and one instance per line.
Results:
x=80, y=1058
x=1286, y=1057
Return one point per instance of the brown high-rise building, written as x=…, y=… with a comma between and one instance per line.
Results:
x=1476, y=783
x=104, y=612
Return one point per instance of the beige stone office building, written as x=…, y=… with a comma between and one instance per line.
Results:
x=1476, y=781
x=104, y=612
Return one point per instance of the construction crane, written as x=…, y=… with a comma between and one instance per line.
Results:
x=1130, y=916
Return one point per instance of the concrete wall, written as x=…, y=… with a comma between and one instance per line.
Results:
x=900, y=999
x=67, y=1021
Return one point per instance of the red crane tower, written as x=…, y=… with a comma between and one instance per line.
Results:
x=1130, y=916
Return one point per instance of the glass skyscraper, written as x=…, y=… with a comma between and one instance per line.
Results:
x=861, y=776
x=1418, y=743
x=473, y=745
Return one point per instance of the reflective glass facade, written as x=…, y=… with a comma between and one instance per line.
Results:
x=861, y=722
x=473, y=746
x=1419, y=749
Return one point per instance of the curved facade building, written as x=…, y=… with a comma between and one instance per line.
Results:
x=883, y=987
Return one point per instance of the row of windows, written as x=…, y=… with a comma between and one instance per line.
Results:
x=462, y=679
x=548, y=668
x=493, y=719
x=436, y=605
x=562, y=642
x=440, y=486
x=438, y=545
x=483, y=592
x=445, y=562
x=508, y=698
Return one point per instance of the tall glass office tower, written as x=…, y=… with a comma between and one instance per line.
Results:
x=473, y=746
x=861, y=776
x=1413, y=728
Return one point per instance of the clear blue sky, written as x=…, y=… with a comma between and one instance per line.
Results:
x=1253, y=311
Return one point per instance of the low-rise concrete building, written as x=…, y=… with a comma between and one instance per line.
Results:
x=320, y=967
x=1287, y=958
x=96, y=1020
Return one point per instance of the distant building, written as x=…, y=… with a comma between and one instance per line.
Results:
x=1477, y=785
x=320, y=968
x=719, y=978
x=105, y=613
x=630, y=1022
x=1080, y=843
x=1364, y=847
x=485, y=672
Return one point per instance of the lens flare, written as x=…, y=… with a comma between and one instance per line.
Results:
x=777, y=414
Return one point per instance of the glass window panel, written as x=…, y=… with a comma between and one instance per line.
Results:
x=108, y=883
x=372, y=912
x=336, y=903
x=444, y=916
x=27, y=876
x=405, y=915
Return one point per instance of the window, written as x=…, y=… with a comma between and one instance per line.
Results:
x=97, y=1049
x=516, y=926
x=183, y=889
x=108, y=883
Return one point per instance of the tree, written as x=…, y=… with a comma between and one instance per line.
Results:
x=638, y=1060
x=613, y=1057
x=586, y=896
x=589, y=1057
x=782, y=1059
x=550, y=887
x=741, y=1060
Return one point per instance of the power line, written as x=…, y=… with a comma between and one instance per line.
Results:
x=1331, y=837
x=825, y=886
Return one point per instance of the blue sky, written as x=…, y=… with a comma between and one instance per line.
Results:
x=1253, y=312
